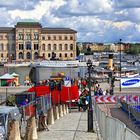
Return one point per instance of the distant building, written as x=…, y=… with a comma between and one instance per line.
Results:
x=28, y=41
x=100, y=47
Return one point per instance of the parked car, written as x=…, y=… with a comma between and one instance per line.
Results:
x=7, y=114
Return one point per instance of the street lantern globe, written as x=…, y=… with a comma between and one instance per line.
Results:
x=89, y=63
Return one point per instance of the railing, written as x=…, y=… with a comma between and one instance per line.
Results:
x=111, y=128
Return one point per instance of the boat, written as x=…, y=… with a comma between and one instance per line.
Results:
x=62, y=63
x=102, y=73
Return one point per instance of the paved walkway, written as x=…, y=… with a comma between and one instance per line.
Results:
x=72, y=126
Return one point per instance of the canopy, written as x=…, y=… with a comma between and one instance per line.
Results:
x=15, y=74
x=7, y=76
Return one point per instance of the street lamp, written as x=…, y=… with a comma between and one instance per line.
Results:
x=90, y=110
x=120, y=64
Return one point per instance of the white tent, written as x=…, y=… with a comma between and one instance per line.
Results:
x=7, y=76
x=15, y=74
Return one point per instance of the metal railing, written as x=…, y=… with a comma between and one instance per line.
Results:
x=112, y=128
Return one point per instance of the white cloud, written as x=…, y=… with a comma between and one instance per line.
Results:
x=43, y=7
x=95, y=20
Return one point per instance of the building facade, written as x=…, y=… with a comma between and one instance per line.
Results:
x=28, y=41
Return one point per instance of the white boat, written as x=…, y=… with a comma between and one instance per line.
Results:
x=63, y=63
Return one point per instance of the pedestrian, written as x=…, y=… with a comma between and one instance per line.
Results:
x=100, y=92
x=25, y=102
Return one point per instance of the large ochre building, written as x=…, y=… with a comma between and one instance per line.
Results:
x=28, y=41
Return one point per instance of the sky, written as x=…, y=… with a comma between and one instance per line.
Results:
x=104, y=21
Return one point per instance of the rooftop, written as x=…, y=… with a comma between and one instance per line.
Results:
x=58, y=30
x=6, y=29
x=28, y=24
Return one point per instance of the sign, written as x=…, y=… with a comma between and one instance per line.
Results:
x=114, y=98
x=130, y=82
x=67, y=81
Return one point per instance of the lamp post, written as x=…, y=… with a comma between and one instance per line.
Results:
x=120, y=64
x=90, y=110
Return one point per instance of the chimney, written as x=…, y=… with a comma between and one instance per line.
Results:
x=110, y=62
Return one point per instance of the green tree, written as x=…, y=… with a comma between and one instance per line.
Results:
x=135, y=49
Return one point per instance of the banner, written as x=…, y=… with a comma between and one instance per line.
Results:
x=130, y=82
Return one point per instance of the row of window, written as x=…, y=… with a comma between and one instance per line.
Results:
x=28, y=36
x=29, y=55
x=28, y=46
x=7, y=55
x=54, y=37
x=60, y=55
x=2, y=48
x=57, y=47
x=7, y=37
x=49, y=47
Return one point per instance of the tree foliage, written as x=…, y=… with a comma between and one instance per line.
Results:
x=134, y=49
x=77, y=50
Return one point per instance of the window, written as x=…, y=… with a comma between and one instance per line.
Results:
x=54, y=37
x=7, y=46
x=28, y=55
x=1, y=37
x=20, y=36
x=20, y=56
x=35, y=46
x=43, y=47
x=54, y=47
x=13, y=37
x=65, y=54
x=49, y=38
x=60, y=37
x=13, y=46
x=35, y=55
x=60, y=55
x=43, y=55
x=20, y=46
x=43, y=37
x=36, y=36
x=71, y=55
x=66, y=47
x=1, y=47
x=6, y=36
x=71, y=37
x=49, y=46
x=71, y=46
x=49, y=55
x=60, y=47
x=28, y=36
x=28, y=46
x=66, y=38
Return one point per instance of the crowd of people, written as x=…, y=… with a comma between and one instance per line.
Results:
x=96, y=90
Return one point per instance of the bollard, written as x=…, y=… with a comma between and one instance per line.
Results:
x=34, y=132
x=31, y=130
x=60, y=111
x=14, y=133
x=56, y=113
x=50, y=116
x=64, y=109
x=67, y=110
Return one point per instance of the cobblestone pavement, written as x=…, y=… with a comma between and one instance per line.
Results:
x=72, y=126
